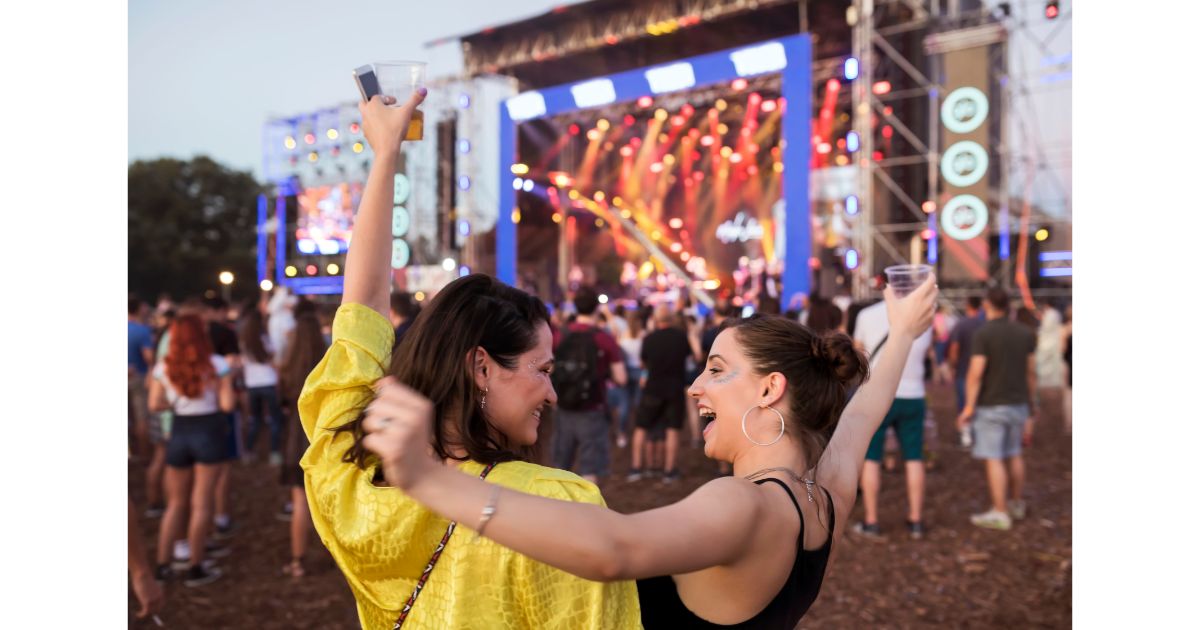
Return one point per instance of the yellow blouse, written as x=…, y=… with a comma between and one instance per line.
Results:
x=382, y=539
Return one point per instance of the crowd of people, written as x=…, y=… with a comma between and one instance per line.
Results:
x=386, y=415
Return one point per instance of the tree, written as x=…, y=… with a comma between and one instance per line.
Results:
x=189, y=221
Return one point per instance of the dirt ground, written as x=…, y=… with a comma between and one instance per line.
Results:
x=957, y=577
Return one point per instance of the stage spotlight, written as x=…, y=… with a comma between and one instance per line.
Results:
x=841, y=160
x=464, y=100
x=290, y=271
x=888, y=131
x=358, y=147
x=1042, y=234
x=707, y=141
x=603, y=124
x=738, y=85
x=573, y=129
x=851, y=259
x=852, y=141
x=516, y=215
x=311, y=270
x=309, y=138
x=599, y=223
x=726, y=152
x=625, y=214
x=332, y=134
x=464, y=146
x=517, y=183
x=626, y=151
x=929, y=206
x=668, y=159
x=556, y=217
x=354, y=127
x=1051, y=9
x=449, y=264
x=266, y=285
x=778, y=167
x=519, y=169
x=850, y=68
x=312, y=157
x=721, y=104
x=464, y=182
x=736, y=158
x=881, y=87
x=289, y=142
x=629, y=120
x=419, y=296
x=676, y=223
x=656, y=167
x=768, y=106
x=645, y=101
x=926, y=234
x=722, y=129
x=573, y=194
x=685, y=256
x=593, y=135
x=527, y=186
x=660, y=114
x=656, y=235
x=676, y=248
x=824, y=148
x=332, y=269
x=603, y=299
x=599, y=196
x=851, y=205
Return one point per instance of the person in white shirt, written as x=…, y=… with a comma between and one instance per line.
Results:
x=258, y=371
x=280, y=320
x=198, y=386
x=906, y=416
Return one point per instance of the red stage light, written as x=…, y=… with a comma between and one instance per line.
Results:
x=309, y=138
x=687, y=109
x=1051, y=9
x=752, y=169
x=629, y=120
x=888, y=131
x=752, y=149
x=695, y=155
x=814, y=262
x=573, y=129
x=693, y=133
x=677, y=120
x=354, y=127
x=841, y=143
x=833, y=85
x=881, y=87
x=878, y=155
x=887, y=110
x=755, y=98
x=645, y=101
x=311, y=270
x=739, y=84
x=635, y=142
x=927, y=234
x=768, y=106
x=626, y=151
x=611, y=40
x=698, y=176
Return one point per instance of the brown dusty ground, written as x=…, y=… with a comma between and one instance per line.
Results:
x=957, y=577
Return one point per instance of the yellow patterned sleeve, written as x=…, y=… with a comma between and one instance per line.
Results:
x=552, y=598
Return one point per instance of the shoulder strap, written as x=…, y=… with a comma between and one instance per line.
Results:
x=878, y=348
x=794, y=502
x=437, y=553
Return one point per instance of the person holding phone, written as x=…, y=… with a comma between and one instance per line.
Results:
x=480, y=351
x=751, y=549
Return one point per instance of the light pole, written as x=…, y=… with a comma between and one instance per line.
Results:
x=226, y=278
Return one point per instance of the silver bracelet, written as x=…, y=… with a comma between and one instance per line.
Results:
x=488, y=512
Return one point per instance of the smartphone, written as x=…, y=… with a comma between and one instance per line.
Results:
x=368, y=84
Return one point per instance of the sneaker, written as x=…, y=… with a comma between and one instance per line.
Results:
x=671, y=476
x=223, y=533
x=276, y=458
x=163, y=572
x=155, y=511
x=182, y=564
x=635, y=474
x=1016, y=509
x=916, y=529
x=867, y=530
x=992, y=520
x=199, y=576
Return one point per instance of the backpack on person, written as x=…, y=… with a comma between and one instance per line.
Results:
x=575, y=374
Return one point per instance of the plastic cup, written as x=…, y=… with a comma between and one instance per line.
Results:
x=905, y=279
x=399, y=79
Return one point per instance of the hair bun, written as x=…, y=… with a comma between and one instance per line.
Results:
x=839, y=355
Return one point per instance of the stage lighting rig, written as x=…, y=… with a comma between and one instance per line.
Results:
x=1051, y=9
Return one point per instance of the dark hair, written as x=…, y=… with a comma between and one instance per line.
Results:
x=1027, y=317
x=586, y=300
x=250, y=336
x=852, y=314
x=306, y=346
x=135, y=305
x=404, y=306
x=975, y=302
x=823, y=315
x=471, y=312
x=819, y=367
x=998, y=298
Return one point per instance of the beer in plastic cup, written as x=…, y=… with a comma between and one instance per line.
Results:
x=399, y=79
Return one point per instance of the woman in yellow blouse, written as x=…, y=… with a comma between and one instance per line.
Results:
x=481, y=352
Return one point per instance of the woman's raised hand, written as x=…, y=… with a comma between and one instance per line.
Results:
x=912, y=314
x=385, y=126
x=398, y=427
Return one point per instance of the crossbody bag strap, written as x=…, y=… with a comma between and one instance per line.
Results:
x=437, y=553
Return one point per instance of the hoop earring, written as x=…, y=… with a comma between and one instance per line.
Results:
x=483, y=401
x=782, y=427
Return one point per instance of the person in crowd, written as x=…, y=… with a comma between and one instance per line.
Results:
x=906, y=417
x=482, y=353
x=261, y=379
x=402, y=312
x=147, y=589
x=1050, y=366
x=739, y=550
x=1001, y=407
x=586, y=357
x=824, y=315
x=1028, y=318
x=197, y=385
x=664, y=400
x=958, y=354
x=943, y=324
x=305, y=349
x=630, y=341
x=225, y=344
x=280, y=320
x=141, y=357
x=1066, y=331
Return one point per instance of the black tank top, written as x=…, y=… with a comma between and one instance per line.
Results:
x=662, y=608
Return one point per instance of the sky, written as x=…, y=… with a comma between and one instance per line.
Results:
x=205, y=75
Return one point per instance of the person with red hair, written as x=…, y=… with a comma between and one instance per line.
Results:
x=197, y=386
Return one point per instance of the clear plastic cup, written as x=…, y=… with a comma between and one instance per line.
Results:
x=399, y=79
x=904, y=279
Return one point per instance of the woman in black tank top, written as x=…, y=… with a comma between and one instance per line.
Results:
x=774, y=397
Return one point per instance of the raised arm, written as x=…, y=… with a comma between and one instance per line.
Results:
x=368, y=267
x=908, y=318
x=709, y=528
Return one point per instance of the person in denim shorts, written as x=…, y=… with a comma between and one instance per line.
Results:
x=1001, y=408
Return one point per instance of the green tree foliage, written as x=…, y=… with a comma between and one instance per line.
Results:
x=188, y=221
